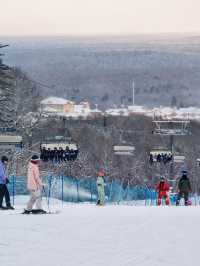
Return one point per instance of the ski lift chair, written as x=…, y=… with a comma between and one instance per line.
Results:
x=171, y=127
x=124, y=150
x=8, y=142
x=160, y=155
x=179, y=158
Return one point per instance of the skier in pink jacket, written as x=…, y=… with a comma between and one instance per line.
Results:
x=34, y=185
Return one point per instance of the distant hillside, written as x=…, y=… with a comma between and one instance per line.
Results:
x=165, y=69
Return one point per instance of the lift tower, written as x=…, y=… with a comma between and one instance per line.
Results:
x=171, y=128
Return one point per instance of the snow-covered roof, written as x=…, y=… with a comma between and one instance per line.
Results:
x=118, y=111
x=84, y=103
x=164, y=112
x=55, y=100
x=182, y=113
x=95, y=111
x=137, y=109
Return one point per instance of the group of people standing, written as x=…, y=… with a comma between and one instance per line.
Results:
x=184, y=188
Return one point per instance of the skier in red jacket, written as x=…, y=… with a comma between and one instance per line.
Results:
x=163, y=191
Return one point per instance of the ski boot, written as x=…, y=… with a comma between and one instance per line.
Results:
x=26, y=211
x=9, y=207
x=3, y=208
x=38, y=211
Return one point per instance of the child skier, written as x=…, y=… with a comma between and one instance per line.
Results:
x=100, y=188
x=163, y=191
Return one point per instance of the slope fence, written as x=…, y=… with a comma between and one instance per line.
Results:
x=71, y=189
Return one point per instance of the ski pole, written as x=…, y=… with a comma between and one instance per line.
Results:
x=47, y=201
x=50, y=180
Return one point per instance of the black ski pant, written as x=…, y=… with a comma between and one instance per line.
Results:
x=4, y=193
x=182, y=194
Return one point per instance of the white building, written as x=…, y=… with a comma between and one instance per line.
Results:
x=56, y=104
x=63, y=107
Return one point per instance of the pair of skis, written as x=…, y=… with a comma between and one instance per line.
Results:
x=40, y=212
x=34, y=212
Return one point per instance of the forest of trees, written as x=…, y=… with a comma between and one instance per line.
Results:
x=165, y=73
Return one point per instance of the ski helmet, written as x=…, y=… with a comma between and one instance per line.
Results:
x=184, y=172
x=4, y=159
x=35, y=158
x=162, y=179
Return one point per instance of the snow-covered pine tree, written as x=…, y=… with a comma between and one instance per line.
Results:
x=18, y=95
x=7, y=92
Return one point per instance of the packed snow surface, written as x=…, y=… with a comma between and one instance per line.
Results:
x=114, y=235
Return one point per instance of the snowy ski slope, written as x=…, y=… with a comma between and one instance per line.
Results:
x=87, y=235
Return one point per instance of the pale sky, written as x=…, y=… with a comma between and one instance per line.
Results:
x=98, y=17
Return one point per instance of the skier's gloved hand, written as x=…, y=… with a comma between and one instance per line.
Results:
x=7, y=181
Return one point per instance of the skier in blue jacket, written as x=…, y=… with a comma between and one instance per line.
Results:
x=3, y=185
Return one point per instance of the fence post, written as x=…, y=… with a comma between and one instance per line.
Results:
x=155, y=198
x=145, y=196
x=49, y=190
x=111, y=188
x=62, y=181
x=135, y=195
x=151, y=197
x=91, y=190
x=127, y=193
x=77, y=188
x=120, y=192
x=13, y=189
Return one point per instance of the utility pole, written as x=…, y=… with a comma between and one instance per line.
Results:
x=133, y=86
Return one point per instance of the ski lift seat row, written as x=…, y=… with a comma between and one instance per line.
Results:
x=58, y=151
x=174, y=132
x=51, y=146
x=179, y=158
x=10, y=142
x=124, y=150
x=161, y=151
x=171, y=127
x=160, y=155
